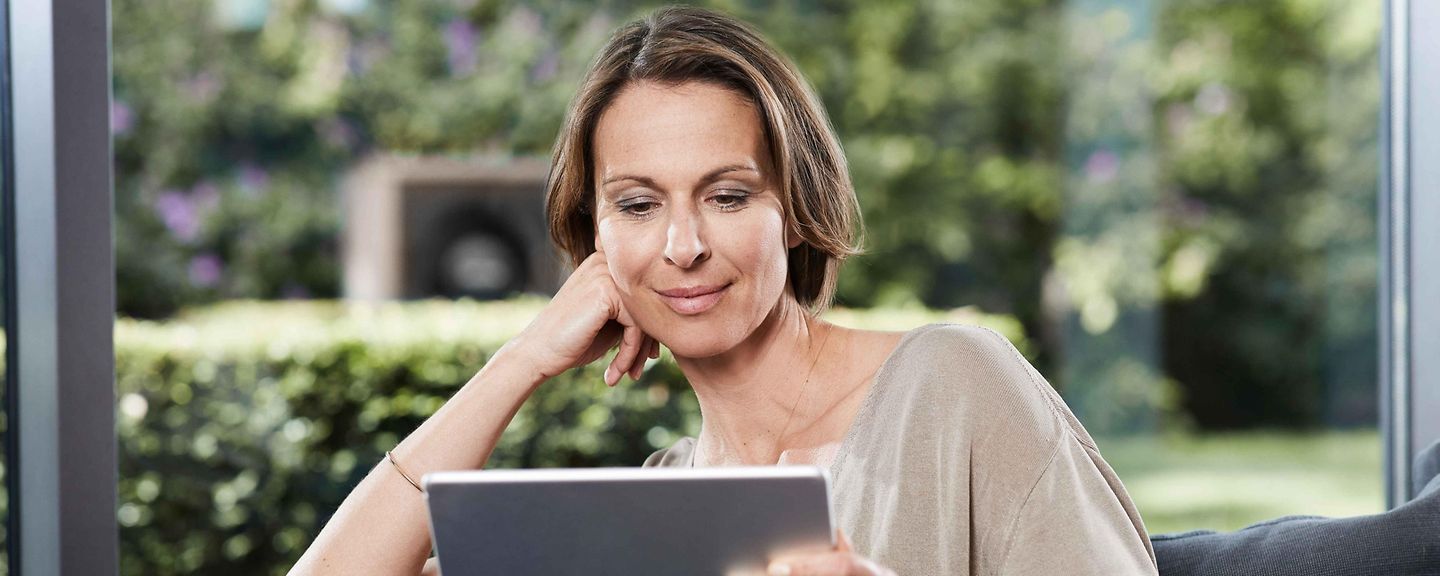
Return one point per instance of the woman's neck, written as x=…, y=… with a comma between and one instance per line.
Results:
x=755, y=395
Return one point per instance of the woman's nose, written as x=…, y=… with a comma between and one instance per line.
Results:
x=684, y=242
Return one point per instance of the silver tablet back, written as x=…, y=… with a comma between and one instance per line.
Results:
x=626, y=520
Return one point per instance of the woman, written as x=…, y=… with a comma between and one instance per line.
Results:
x=707, y=206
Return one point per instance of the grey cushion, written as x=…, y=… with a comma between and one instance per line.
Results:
x=1403, y=541
x=1427, y=471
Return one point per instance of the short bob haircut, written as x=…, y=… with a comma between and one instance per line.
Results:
x=674, y=45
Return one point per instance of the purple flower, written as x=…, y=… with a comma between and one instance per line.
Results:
x=121, y=118
x=527, y=21
x=546, y=67
x=205, y=197
x=1193, y=210
x=203, y=87
x=184, y=212
x=1102, y=166
x=205, y=270
x=363, y=55
x=253, y=179
x=178, y=214
x=460, y=41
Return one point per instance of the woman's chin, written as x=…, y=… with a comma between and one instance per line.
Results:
x=689, y=344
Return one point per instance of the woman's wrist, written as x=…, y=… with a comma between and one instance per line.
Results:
x=512, y=366
x=461, y=435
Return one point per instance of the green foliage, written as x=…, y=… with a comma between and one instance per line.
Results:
x=243, y=426
x=1154, y=189
x=1227, y=481
x=1267, y=121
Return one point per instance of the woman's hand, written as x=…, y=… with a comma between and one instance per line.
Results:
x=583, y=322
x=839, y=562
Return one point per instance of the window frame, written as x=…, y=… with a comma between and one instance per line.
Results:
x=1409, y=252
x=59, y=273
x=62, y=381
x=7, y=283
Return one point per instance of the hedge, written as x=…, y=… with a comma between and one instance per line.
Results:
x=243, y=426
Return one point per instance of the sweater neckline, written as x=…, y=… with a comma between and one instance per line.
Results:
x=867, y=406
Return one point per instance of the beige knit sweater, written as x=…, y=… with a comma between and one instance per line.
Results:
x=963, y=460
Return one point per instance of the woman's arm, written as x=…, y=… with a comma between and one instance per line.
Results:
x=382, y=527
x=1077, y=519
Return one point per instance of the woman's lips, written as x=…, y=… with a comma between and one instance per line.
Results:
x=694, y=299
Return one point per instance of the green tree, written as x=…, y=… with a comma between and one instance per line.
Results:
x=1193, y=174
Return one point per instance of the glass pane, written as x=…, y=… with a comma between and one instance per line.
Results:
x=5, y=480
x=1217, y=257
x=6, y=202
x=328, y=215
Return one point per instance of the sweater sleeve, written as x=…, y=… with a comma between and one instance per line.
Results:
x=1073, y=522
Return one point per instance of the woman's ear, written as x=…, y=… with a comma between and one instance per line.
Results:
x=792, y=237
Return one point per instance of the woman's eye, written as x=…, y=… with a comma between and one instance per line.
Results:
x=638, y=208
x=730, y=201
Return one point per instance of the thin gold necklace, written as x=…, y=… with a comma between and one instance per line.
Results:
x=804, y=388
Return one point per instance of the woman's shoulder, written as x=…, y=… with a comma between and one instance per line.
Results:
x=956, y=341
x=960, y=355
x=974, y=378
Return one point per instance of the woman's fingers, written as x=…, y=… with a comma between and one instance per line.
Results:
x=842, y=561
x=589, y=296
x=828, y=564
x=642, y=354
x=603, y=341
x=635, y=347
x=630, y=343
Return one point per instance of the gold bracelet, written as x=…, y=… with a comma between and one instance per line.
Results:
x=391, y=457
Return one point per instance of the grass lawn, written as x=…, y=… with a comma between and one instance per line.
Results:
x=1228, y=481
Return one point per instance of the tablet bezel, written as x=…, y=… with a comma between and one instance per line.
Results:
x=445, y=482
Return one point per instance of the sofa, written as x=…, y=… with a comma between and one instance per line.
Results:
x=1401, y=542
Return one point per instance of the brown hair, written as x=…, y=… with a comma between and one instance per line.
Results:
x=674, y=45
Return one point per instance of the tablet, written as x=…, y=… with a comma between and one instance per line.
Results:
x=727, y=520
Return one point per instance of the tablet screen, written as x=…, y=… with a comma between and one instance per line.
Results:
x=728, y=520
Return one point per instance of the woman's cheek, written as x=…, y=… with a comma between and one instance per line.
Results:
x=769, y=256
x=624, y=254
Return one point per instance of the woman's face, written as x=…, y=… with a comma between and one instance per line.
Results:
x=688, y=215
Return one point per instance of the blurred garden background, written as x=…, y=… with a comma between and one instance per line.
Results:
x=1168, y=205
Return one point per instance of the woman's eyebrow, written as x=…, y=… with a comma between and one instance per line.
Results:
x=709, y=177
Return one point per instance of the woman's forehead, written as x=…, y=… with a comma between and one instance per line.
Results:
x=677, y=133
